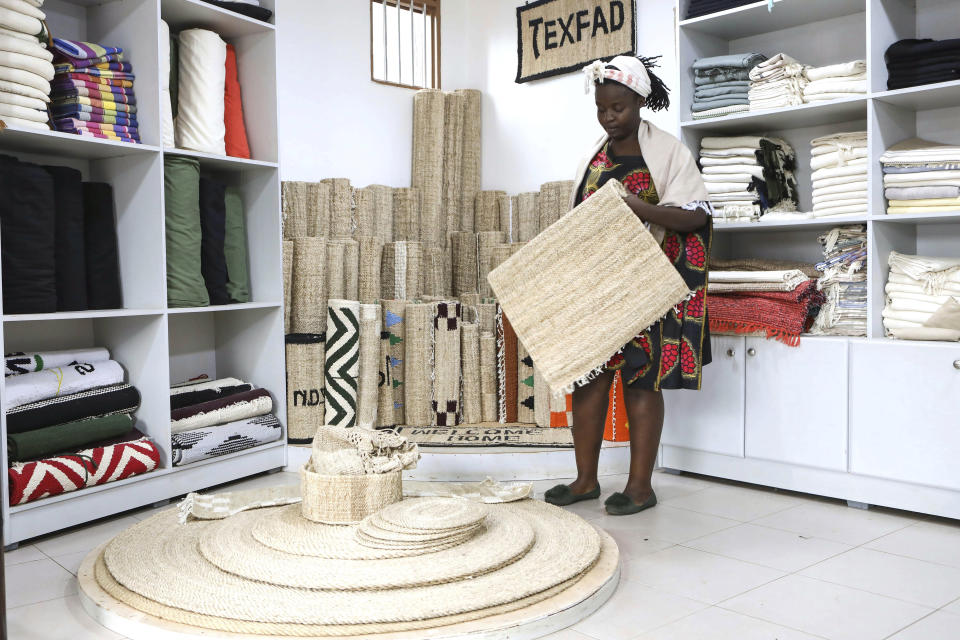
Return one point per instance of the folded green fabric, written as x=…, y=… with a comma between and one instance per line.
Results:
x=235, y=248
x=181, y=182
x=72, y=436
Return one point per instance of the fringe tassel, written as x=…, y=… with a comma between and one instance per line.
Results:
x=186, y=507
x=736, y=326
x=501, y=370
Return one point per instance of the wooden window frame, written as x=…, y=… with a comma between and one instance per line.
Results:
x=433, y=13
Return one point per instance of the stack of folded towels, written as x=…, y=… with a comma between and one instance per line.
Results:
x=836, y=81
x=748, y=176
x=844, y=282
x=698, y=8
x=920, y=176
x=839, y=171
x=923, y=298
x=210, y=418
x=723, y=84
x=775, y=304
x=777, y=82
x=93, y=91
x=70, y=423
x=25, y=65
x=911, y=62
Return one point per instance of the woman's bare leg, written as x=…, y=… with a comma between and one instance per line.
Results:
x=590, y=404
x=645, y=415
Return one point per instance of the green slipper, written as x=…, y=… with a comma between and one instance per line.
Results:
x=620, y=504
x=561, y=495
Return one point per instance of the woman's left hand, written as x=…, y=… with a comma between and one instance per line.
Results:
x=636, y=204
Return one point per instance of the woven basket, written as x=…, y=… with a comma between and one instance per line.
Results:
x=347, y=499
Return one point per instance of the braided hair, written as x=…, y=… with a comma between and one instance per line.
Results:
x=659, y=98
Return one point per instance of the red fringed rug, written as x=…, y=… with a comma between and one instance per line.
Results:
x=782, y=316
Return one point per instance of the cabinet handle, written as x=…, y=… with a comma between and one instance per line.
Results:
x=732, y=352
x=751, y=352
x=956, y=364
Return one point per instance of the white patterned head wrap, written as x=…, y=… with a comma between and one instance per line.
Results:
x=629, y=71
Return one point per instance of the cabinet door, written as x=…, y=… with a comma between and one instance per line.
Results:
x=710, y=419
x=905, y=412
x=796, y=402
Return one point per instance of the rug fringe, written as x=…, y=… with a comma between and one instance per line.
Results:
x=738, y=326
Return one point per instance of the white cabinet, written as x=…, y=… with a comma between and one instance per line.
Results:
x=905, y=412
x=711, y=419
x=796, y=408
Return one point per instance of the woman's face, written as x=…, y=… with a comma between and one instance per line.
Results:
x=618, y=109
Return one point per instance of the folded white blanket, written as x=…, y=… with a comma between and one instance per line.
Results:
x=920, y=150
x=822, y=183
x=735, y=196
x=28, y=78
x=891, y=324
x=859, y=197
x=944, y=177
x=736, y=152
x=722, y=143
x=790, y=276
x=707, y=161
x=60, y=381
x=30, y=362
x=838, y=142
x=230, y=413
x=726, y=178
x=896, y=291
x=924, y=333
x=950, y=286
x=852, y=68
x=24, y=7
x=840, y=158
x=932, y=273
x=853, y=86
x=840, y=211
x=23, y=113
x=23, y=90
x=22, y=101
x=826, y=97
x=838, y=200
x=168, y=133
x=725, y=187
x=926, y=202
x=919, y=317
x=919, y=210
x=753, y=170
x=858, y=186
x=24, y=47
x=16, y=21
x=721, y=111
x=903, y=304
x=856, y=167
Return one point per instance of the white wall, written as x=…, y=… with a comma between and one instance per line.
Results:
x=336, y=122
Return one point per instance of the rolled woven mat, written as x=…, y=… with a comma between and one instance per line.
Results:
x=295, y=209
x=470, y=365
x=202, y=444
x=526, y=216
x=471, y=304
x=71, y=436
x=240, y=406
x=487, y=211
x=487, y=313
x=541, y=399
x=400, y=271
x=368, y=278
x=427, y=171
x=488, y=376
x=342, y=367
x=414, y=269
x=507, y=224
x=308, y=298
x=287, y=282
x=572, y=305
x=486, y=241
x=418, y=364
x=446, y=364
x=472, y=149
x=525, y=386
x=318, y=209
x=500, y=254
x=374, y=212
x=454, y=106
x=406, y=215
x=368, y=380
x=464, y=251
x=506, y=370
x=391, y=395
x=335, y=264
x=351, y=269
x=432, y=273
x=384, y=213
x=99, y=401
x=341, y=207
x=547, y=205
x=306, y=408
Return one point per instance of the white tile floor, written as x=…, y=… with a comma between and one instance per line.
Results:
x=713, y=561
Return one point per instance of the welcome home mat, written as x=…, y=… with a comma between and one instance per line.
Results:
x=520, y=435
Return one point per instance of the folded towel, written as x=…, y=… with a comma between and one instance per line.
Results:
x=87, y=77
x=20, y=22
x=714, y=76
x=909, y=194
x=731, y=61
x=58, y=381
x=721, y=111
x=85, y=54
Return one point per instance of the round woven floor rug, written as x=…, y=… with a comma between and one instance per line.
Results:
x=230, y=546
x=159, y=559
x=430, y=514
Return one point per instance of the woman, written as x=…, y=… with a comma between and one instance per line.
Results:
x=667, y=194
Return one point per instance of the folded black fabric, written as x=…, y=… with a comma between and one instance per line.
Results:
x=213, y=223
x=100, y=401
x=700, y=8
x=72, y=436
x=27, y=238
x=70, y=252
x=188, y=398
x=257, y=13
x=102, y=254
x=915, y=81
x=921, y=62
x=910, y=47
x=925, y=69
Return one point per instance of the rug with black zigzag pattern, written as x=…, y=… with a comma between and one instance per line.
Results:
x=342, y=362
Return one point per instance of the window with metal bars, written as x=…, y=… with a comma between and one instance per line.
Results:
x=405, y=43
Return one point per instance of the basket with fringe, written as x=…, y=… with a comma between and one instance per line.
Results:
x=347, y=499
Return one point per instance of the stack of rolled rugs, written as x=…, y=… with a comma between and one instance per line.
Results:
x=838, y=163
x=59, y=240
x=912, y=62
x=748, y=176
x=779, y=304
x=722, y=84
x=836, y=82
x=25, y=65
x=210, y=418
x=844, y=282
x=920, y=177
x=206, y=238
x=922, y=298
x=200, y=99
x=92, y=92
x=776, y=83
x=70, y=423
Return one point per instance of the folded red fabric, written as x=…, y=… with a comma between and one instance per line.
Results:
x=236, y=134
x=781, y=315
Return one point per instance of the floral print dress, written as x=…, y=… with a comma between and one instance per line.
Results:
x=672, y=352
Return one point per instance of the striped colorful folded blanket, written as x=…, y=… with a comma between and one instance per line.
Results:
x=94, y=102
x=103, y=73
x=96, y=79
x=64, y=91
x=103, y=118
x=105, y=135
x=84, y=54
x=68, y=124
x=66, y=82
x=66, y=67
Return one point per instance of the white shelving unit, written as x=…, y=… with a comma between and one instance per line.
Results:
x=869, y=420
x=155, y=344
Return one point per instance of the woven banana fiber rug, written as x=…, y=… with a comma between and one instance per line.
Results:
x=308, y=295
x=418, y=366
x=391, y=390
x=470, y=365
x=470, y=167
x=427, y=171
x=487, y=211
x=541, y=399
x=406, y=214
x=525, y=380
x=401, y=271
x=454, y=109
x=526, y=219
x=507, y=383
x=369, y=367
x=371, y=255
x=486, y=241
x=488, y=377
x=305, y=404
x=294, y=205
x=335, y=278
x=463, y=246
x=341, y=207
x=446, y=364
x=490, y=434
x=580, y=290
x=342, y=362
x=287, y=282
